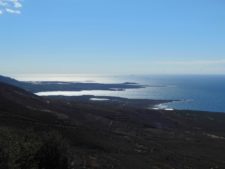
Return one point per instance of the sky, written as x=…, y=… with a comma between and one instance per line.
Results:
x=112, y=37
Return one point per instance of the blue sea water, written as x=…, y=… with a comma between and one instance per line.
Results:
x=196, y=92
x=204, y=93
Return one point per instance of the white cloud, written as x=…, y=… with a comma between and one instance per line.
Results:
x=12, y=11
x=10, y=6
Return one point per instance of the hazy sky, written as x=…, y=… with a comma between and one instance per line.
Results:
x=112, y=36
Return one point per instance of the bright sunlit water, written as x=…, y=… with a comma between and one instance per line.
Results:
x=197, y=92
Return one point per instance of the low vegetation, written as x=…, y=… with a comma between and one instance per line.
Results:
x=76, y=133
x=26, y=150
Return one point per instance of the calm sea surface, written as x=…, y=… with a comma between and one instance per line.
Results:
x=205, y=92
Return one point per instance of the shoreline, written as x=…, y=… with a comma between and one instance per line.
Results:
x=149, y=104
x=119, y=101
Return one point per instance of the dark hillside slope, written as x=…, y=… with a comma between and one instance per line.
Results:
x=97, y=135
x=18, y=95
x=19, y=105
x=9, y=80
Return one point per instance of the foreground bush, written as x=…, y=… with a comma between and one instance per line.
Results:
x=25, y=150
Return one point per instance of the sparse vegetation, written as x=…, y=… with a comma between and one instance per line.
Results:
x=26, y=150
x=104, y=135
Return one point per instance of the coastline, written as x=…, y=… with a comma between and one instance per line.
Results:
x=117, y=101
x=121, y=129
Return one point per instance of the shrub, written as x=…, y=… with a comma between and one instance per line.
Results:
x=53, y=153
x=26, y=150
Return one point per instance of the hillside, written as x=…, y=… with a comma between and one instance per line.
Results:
x=60, y=133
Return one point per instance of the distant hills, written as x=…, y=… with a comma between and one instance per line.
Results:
x=40, y=86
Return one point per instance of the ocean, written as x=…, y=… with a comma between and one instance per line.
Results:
x=195, y=92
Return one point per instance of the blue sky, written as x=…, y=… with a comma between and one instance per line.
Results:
x=112, y=36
